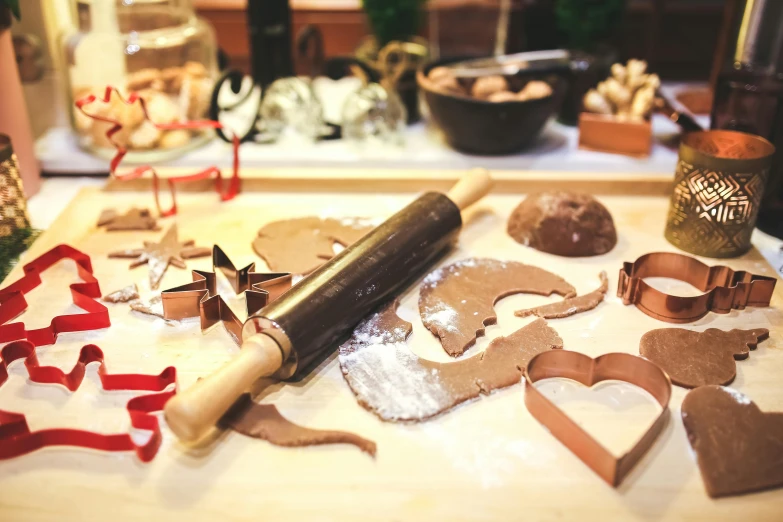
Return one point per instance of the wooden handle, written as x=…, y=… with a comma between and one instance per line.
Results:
x=193, y=412
x=473, y=186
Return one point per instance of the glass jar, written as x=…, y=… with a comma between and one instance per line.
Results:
x=156, y=48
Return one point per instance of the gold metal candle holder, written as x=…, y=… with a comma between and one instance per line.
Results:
x=719, y=183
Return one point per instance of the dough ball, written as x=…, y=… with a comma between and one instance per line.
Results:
x=146, y=136
x=563, y=223
x=488, y=85
x=502, y=96
x=174, y=138
x=534, y=90
x=439, y=73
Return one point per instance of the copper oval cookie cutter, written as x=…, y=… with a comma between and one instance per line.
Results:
x=588, y=371
x=724, y=289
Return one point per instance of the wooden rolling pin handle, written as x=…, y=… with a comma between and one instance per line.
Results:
x=470, y=188
x=192, y=413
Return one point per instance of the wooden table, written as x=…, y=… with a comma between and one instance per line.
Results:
x=488, y=460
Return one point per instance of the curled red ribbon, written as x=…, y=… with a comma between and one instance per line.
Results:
x=226, y=193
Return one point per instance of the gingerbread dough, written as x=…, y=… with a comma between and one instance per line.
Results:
x=301, y=245
x=695, y=359
x=739, y=448
x=456, y=301
x=563, y=223
x=133, y=219
x=264, y=421
x=396, y=385
x=570, y=306
x=123, y=295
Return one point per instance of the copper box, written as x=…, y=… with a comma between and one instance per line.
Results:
x=604, y=133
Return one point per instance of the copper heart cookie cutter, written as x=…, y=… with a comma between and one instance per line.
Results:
x=588, y=371
x=724, y=289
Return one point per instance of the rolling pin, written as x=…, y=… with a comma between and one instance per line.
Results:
x=307, y=323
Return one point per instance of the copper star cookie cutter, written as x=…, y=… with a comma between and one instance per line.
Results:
x=724, y=289
x=588, y=371
x=201, y=299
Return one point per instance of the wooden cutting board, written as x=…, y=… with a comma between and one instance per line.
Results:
x=487, y=460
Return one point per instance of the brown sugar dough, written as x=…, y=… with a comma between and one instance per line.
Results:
x=133, y=219
x=570, y=306
x=123, y=295
x=563, y=223
x=456, y=301
x=694, y=359
x=264, y=421
x=392, y=382
x=739, y=448
x=301, y=245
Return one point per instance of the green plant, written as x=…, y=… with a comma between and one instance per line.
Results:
x=393, y=19
x=13, y=245
x=13, y=6
x=586, y=23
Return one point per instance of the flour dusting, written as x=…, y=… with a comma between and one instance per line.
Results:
x=391, y=379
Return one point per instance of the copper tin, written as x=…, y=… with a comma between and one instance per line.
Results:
x=724, y=289
x=719, y=183
x=606, y=133
x=200, y=298
x=583, y=369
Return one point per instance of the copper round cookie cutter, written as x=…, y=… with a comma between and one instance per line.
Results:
x=724, y=289
x=588, y=371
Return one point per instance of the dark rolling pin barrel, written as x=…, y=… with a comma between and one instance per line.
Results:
x=325, y=305
x=308, y=321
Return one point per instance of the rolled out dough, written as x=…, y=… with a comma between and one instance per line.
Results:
x=301, y=245
x=456, y=302
x=395, y=384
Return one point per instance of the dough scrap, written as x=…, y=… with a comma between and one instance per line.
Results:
x=738, y=447
x=133, y=219
x=301, y=245
x=264, y=421
x=570, y=306
x=694, y=359
x=563, y=223
x=456, y=301
x=395, y=384
x=123, y=295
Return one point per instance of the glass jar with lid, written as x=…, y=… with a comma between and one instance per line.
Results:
x=156, y=48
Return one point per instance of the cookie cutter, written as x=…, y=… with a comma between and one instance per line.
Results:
x=724, y=289
x=588, y=371
x=226, y=193
x=17, y=439
x=13, y=303
x=201, y=299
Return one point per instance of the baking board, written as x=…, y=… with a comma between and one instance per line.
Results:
x=487, y=460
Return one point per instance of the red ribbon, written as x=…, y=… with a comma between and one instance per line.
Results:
x=226, y=193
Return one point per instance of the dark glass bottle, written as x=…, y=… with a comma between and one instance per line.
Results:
x=749, y=95
x=269, y=28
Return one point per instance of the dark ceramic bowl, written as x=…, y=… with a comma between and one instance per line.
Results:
x=490, y=128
